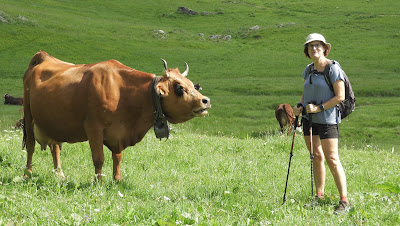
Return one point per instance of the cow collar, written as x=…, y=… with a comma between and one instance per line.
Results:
x=161, y=127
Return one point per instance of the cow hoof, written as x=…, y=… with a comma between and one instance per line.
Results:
x=59, y=173
x=98, y=181
x=27, y=173
x=98, y=177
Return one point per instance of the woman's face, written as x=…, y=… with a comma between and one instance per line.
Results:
x=316, y=49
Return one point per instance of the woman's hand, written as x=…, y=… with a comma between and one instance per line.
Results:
x=297, y=110
x=312, y=109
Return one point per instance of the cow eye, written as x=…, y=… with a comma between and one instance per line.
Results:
x=179, y=89
x=197, y=87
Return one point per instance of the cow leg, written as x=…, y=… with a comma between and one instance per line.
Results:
x=95, y=136
x=279, y=114
x=289, y=125
x=282, y=125
x=117, y=157
x=30, y=149
x=29, y=142
x=55, y=152
x=97, y=157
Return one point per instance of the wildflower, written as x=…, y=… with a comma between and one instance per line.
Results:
x=120, y=194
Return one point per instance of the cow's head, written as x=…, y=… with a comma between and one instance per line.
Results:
x=180, y=99
x=6, y=96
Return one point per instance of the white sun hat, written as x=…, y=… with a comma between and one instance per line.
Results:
x=317, y=37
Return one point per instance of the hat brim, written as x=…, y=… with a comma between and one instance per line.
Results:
x=329, y=46
x=326, y=43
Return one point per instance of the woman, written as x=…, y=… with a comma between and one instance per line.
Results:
x=321, y=102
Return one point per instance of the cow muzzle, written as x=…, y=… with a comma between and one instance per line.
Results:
x=203, y=109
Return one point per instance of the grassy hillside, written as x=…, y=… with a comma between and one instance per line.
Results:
x=245, y=77
x=229, y=167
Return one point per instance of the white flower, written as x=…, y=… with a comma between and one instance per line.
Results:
x=120, y=194
x=186, y=215
x=166, y=198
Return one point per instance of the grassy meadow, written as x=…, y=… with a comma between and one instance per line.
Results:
x=194, y=180
x=228, y=168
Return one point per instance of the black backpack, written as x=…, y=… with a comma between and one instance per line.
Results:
x=347, y=106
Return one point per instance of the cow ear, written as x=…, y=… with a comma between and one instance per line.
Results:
x=162, y=89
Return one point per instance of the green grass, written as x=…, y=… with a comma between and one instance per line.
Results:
x=236, y=148
x=194, y=179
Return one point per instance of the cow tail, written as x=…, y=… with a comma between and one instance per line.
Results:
x=24, y=137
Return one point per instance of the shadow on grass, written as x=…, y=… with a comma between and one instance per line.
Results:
x=53, y=183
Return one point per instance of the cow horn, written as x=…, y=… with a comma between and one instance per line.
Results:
x=185, y=73
x=165, y=71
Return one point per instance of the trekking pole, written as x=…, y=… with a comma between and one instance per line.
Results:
x=296, y=122
x=311, y=154
x=290, y=158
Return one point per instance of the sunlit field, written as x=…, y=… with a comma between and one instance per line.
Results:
x=228, y=168
x=193, y=179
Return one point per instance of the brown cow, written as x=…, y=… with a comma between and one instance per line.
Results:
x=105, y=103
x=284, y=115
x=8, y=99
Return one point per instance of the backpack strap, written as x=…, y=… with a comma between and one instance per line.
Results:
x=309, y=69
x=328, y=81
x=326, y=74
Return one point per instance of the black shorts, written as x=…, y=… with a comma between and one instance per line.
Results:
x=325, y=131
